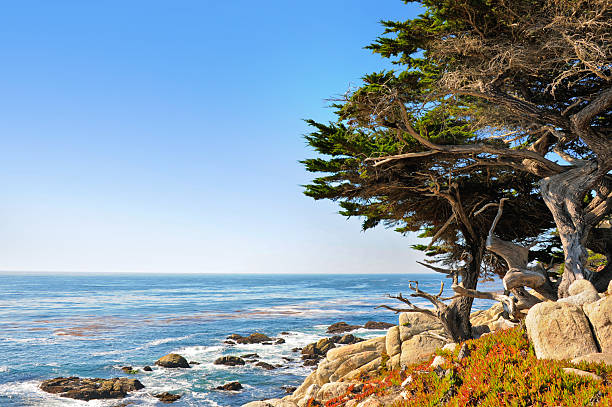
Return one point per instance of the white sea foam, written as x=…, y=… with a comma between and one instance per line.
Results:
x=146, y=345
x=165, y=340
x=4, y=369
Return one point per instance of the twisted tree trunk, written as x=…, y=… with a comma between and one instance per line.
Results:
x=564, y=194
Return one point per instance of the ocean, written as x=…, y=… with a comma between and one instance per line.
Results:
x=91, y=325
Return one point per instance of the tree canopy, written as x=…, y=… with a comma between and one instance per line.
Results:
x=492, y=101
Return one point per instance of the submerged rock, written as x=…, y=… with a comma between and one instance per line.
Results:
x=232, y=386
x=341, y=327
x=229, y=361
x=90, y=389
x=172, y=360
x=166, y=397
x=265, y=365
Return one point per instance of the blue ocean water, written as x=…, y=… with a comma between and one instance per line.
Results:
x=91, y=325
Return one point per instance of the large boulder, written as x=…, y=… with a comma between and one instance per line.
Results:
x=393, y=345
x=172, y=360
x=354, y=362
x=414, y=323
x=581, y=292
x=600, y=316
x=90, y=389
x=332, y=390
x=374, y=344
x=559, y=331
x=419, y=348
x=488, y=317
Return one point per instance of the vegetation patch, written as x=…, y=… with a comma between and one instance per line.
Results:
x=500, y=369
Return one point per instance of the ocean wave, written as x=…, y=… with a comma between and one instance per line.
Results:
x=150, y=344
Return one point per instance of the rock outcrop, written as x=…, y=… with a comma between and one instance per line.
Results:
x=172, y=360
x=559, y=330
x=229, y=361
x=415, y=338
x=600, y=317
x=167, y=398
x=581, y=292
x=90, y=389
x=341, y=327
x=377, y=325
x=231, y=386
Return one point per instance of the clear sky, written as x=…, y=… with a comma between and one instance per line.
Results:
x=164, y=136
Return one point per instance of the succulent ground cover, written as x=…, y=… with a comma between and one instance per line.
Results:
x=500, y=369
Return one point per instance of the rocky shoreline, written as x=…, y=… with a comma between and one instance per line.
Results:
x=120, y=387
x=576, y=328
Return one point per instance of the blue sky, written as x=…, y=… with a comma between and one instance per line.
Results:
x=164, y=136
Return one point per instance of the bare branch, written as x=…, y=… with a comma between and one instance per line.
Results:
x=441, y=230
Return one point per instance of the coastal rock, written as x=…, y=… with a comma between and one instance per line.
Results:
x=289, y=389
x=354, y=362
x=437, y=362
x=231, y=386
x=252, y=338
x=486, y=317
x=609, y=288
x=371, y=401
x=393, y=345
x=582, y=373
x=129, y=370
x=450, y=347
x=229, y=361
x=395, y=361
x=271, y=403
x=341, y=327
x=414, y=323
x=374, y=344
x=147, y=369
x=331, y=390
x=265, y=365
x=594, y=358
x=369, y=367
x=419, y=348
x=377, y=325
x=581, y=292
x=310, y=393
x=348, y=339
x=172, y=360
x=599, y=314
x=250, y=356
x=167, y=398
x=90, y=389
x=559, y=331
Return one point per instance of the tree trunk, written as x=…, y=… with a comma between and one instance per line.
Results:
x=563, y=194
x=457, y=318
